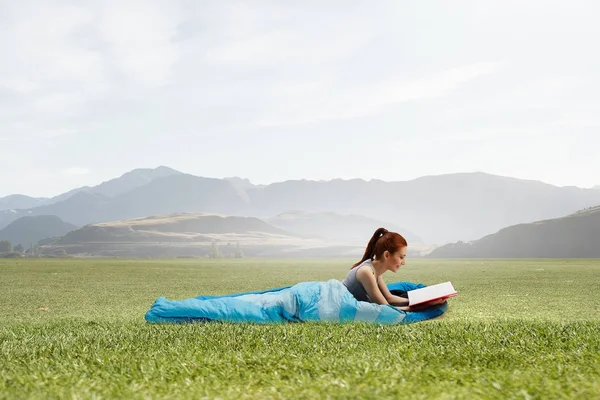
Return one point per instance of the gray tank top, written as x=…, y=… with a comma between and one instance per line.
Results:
x=354, y=286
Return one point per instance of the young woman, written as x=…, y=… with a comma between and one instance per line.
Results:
x=386, y=251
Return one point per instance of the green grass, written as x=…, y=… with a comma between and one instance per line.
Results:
x=523, y=329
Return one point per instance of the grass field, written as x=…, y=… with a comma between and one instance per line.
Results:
x=524, y=329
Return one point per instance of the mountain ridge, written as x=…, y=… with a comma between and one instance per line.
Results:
x=576, y=235
x=112, y=187
x=438, y=208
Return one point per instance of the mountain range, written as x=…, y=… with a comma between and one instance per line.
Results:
x=436, y=209
x=573, y=236
x=111, y=188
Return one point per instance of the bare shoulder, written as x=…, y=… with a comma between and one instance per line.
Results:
x=365, y=272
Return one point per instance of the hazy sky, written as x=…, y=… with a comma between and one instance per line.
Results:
x=276, y=90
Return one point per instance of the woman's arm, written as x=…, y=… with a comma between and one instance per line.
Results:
x=390, y=298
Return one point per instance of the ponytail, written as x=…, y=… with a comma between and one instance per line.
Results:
x=370, y=250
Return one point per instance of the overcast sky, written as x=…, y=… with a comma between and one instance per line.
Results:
x=277, y=90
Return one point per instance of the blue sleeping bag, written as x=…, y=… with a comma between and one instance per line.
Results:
x=328, y=301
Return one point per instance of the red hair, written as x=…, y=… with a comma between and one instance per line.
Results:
x=381, y=241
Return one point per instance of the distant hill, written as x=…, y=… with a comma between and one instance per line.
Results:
x=183, y=227
x=18, y=201
x=30, y=230
x=441, y=209
x=126, y=182
x=574, y=236
x=192, y=234
x=345, y=228
x=79, y=209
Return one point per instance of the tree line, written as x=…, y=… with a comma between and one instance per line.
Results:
x=7, y=249
x=227, y=251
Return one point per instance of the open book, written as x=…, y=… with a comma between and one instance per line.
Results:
x=430, y=293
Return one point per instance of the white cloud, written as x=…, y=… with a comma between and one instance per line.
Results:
x=27, y=131
x=19, y=85
x=318, y=102
x=138, y=36
x=60, y=56
x=55, y=133
x=76, y=171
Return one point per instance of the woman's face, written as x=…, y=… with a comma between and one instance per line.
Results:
x=394, y=261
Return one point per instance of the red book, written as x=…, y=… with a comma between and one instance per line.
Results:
x=430, y=293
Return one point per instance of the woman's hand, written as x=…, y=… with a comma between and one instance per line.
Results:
x=423, y=306
x=436, y=302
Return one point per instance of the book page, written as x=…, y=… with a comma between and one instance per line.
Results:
x=430, y=293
